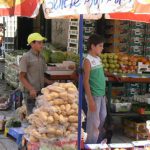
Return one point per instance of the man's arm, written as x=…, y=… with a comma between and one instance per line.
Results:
x=87, y=68
x=47, y=81
x=27, y=85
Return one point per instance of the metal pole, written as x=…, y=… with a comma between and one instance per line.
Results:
x=80, y=81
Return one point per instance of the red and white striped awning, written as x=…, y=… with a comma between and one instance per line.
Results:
x=26, y=8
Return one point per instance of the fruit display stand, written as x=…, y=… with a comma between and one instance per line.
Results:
x=124, y=80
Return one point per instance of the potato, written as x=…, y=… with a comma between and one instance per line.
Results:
x=49, y=135
x=54, y=95
x=73, y=119
x=51, y=103
x=63, y=95
x=68, y=107
x=66, y=124
x=51, y=130
x=72, y=129
x=57, y=108
x=44, y=135
x=45, y=91
x=62, y=119
x=49, y=97
x=38, y=123
x=33, y=139
x=50, y=119
x=71, y=98
x=70, y=85
x=36, y=134
x=71, y=112
x=62, y=85
x=56, y=89
x=59, y=132
x=74, y=106
x=62, y=107
x=67, y=133
x=56, y=117
x=72, y=90
x=44, y=109
x=64, y=113
x=74, y=125
x=31, y=117
x=42, y=130
x=43, y=116
x=58, y=102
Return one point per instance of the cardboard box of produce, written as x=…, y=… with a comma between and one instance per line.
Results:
x=137, y=127
x=135, y=135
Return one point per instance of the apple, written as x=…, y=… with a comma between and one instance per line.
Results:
x=115, y=57
x=115, y=70
x=129, y=63
x=112, y=66
x=111, y=70
x=111, y=61
x=104, y=60
x=105, y=56
x=110, y=56
x=120, y=71
x=105, y=69
x=107, y=65
x=115, y=61
x=117, y=65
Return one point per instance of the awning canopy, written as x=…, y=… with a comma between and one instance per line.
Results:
x=140, y=12
x=25, y=8
x=135, y=10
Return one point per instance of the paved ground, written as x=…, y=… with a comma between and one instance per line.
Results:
x=5, y=142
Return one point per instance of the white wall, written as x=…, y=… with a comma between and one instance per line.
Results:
x=60, y=32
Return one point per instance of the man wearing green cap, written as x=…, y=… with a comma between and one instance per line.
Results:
x=32, y=69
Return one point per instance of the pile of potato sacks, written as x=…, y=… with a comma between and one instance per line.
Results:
x=56, y=114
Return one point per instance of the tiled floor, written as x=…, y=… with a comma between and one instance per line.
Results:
x=120, y=139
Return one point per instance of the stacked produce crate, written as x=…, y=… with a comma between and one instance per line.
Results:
x=137, y=38
x=137, y=35
x=73, y=36
x=89, y=28
x=117, y=36
x=12, y=69
x=147, y=41
x=135, y=128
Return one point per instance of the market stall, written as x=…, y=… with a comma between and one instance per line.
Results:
x=69, y=9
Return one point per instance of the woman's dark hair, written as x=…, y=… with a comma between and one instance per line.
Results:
x=94, y=39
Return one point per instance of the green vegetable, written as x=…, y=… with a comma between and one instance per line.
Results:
x=73, y=57
x=46, y=53
x=58, y=57
x=13, y=122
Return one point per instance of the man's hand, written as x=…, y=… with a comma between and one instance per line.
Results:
x=92, y=105
x=33, y=93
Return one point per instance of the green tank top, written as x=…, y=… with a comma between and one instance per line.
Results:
x=97, y=78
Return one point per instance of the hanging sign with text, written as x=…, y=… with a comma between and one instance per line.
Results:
x=59, y=8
